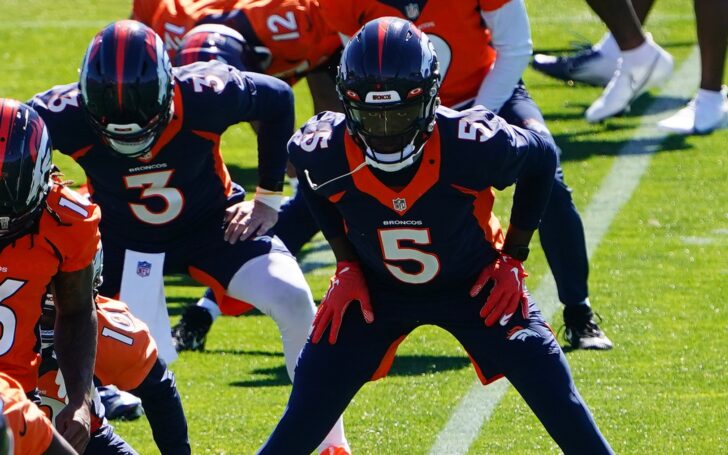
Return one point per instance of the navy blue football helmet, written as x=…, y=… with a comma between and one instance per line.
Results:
x=216, y=42
x=388, y=81
x=127, y=86
x=25, y=167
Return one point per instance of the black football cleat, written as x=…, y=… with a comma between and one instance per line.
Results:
x=582, y=331
x=586, y=66
x=119, y=405
x=190, y=333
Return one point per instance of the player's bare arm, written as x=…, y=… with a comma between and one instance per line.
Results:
x=75, y=338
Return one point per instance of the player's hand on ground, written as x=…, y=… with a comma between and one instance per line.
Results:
x=347, y=285
x=248, y=219
x=74, y=424
x=507, y=293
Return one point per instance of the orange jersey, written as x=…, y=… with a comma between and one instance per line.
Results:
x=292, y=30
x=66, y=241
x=456, y=29
x=126, y=351
x=31, y=429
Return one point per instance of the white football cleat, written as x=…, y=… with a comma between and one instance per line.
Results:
x=707, y=112
x=646, y=67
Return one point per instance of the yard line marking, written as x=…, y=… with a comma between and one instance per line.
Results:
x=633, y=159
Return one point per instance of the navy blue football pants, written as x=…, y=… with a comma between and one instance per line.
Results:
x=524, y=351
x=561, y=230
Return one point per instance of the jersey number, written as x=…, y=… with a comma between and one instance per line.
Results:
x=284, y=28
x=390, y=239
x=121, y=322
x=8, y=320
x=473, y=131
x=154, y=184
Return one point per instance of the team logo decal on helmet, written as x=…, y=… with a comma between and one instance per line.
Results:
x=25, y=167
x=127, y=86
x=388, y=81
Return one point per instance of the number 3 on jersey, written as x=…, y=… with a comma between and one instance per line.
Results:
x=154, y=184
x=392, y=250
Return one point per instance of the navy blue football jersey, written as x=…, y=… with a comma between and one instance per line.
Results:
x=438, y=230
x=183, y=180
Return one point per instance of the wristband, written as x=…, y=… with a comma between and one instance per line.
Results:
x=272, y=199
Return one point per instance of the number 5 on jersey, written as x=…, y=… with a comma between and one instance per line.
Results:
x=392, y=250
x=154, y=184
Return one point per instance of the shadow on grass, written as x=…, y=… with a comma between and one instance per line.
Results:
x=255, y=353
x=404, y=365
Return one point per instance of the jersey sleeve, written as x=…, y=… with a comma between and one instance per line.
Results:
x=126, y=351
x=61, y=111
x=32, y=430
x=143, y=11
x=340, y=16
x=220, y=96
x=78, y=232
x=311, y=149
x=503, y=154
x=491, y=5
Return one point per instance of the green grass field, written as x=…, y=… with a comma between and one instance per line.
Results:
x=658, y=277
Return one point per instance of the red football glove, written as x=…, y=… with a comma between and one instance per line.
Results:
x=507, y=293
x=347, y=285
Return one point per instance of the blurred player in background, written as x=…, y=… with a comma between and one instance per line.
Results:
x=286, y=38
x=126, y=357
x=24, y=428
x=403, y=191
x=46, y=232
x=148, y=139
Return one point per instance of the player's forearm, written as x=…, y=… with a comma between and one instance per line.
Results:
x=534, y=184
x=75, y=345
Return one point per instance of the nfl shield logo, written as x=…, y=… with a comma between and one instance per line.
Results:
x=144, y=268
x=399, y=204
x=412, y=11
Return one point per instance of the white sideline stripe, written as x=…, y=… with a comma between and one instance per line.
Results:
x=479, y=403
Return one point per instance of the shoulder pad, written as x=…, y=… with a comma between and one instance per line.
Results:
x=62, y=113
x=318, y=147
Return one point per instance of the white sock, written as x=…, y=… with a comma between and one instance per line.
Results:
x=641, y=55
x=607, y=46
x=210, y=306
x=710, y=98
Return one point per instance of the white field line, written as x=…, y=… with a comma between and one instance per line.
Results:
x=479, y=403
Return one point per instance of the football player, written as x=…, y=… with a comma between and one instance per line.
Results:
x=483, y=66
x=286, y=38
x=24, y=428
x=126, y=357
x=148, y=139
x=46, y=232
x=403, y=192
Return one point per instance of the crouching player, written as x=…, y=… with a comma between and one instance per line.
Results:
x=126, y=356
x=402, y=190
